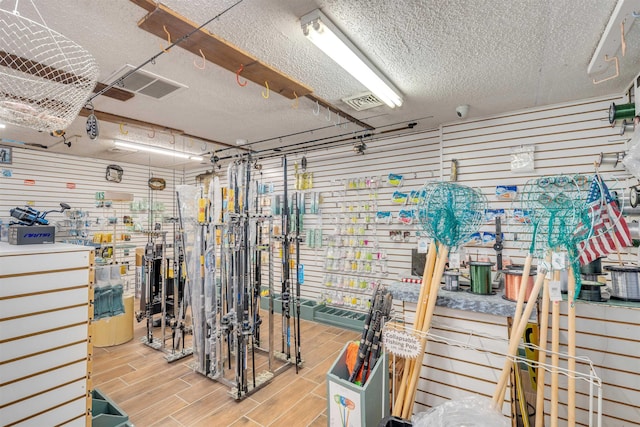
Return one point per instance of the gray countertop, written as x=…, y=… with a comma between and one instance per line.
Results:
x=460, y=300
x=489, y=304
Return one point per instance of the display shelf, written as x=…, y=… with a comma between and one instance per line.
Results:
x=340, y=317
x=45, y=340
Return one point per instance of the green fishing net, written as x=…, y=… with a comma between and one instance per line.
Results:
x=450, y=213
x=555, y=216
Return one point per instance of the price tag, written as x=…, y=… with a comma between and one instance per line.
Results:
x=454, y=260
x=555, y=291
x=559, y=260
x=423, y=246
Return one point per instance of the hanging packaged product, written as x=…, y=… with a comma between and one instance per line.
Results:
x=522, y=158
x=406, y=216
x=399, y=197
x=394, y=180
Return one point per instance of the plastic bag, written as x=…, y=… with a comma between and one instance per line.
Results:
x=522, y=158
x=631, y=161
x=473, y=411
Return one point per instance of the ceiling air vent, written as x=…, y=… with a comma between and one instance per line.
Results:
x=146, y=83
x=362, y=101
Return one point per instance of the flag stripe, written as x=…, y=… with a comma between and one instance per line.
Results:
x=610, y=231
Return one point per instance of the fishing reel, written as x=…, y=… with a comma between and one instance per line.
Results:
x=31, y=216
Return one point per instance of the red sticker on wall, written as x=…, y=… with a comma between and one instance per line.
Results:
x=71, y=185
x=29, y=182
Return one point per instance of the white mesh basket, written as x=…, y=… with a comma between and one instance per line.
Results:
x=45, y=78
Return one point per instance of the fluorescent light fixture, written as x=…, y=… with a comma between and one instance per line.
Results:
x=2, y=126
x=158, y=150
x=326, y=36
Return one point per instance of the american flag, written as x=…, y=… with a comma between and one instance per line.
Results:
x=610, y=232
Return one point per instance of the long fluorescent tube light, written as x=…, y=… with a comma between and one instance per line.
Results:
x=158, y=150
x=326, y=36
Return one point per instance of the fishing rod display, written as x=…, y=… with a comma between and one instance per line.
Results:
x=290, y=241
x=162, y=294
x=229, y=245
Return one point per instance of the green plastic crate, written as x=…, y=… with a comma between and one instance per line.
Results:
x=340, y=317
x=105, y=412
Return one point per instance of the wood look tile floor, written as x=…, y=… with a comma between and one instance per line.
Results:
x=154, y=392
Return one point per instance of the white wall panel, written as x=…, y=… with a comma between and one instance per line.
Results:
x=52, y=172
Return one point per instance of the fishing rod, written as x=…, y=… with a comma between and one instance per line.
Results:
x=246, y=324
x=375, y=348
x=350, y=139
x=294, y=203
x=120, y=81
x=256, y=282
x=205, y=361
x=367, y=332
x=286, y=314
x=298, y=272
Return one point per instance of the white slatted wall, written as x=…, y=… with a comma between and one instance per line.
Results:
x=568, y=139
x=613, y=346
x=52, y=173
x=451, y=372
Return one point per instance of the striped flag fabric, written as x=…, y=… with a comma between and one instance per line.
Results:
x=610, y=231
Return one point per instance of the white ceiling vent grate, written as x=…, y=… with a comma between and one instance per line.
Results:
x=362, y=101
x=146, y=83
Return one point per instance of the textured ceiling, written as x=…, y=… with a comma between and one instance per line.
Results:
x=496, y=56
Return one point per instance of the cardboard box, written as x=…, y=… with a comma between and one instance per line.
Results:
x=31, y=234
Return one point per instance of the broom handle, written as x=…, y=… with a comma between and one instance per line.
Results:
x=514, y=341
x=571, y=365
x=424, y=291
x=426, y=286
x=522, y=291
x=542, y=355
x=517, y=316
x=433, y=296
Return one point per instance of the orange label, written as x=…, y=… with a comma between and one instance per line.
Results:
x=71, y=185
x=29, y=182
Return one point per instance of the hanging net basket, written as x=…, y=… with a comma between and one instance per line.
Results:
x=45, y=78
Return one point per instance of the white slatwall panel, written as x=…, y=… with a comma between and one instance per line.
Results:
x=567, y=138
x=52, y=172
x=613, y=347
x=452, y=373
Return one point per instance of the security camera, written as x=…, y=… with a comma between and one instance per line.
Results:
x=462, y=111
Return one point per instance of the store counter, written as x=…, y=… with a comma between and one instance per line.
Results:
x=460, y=300
x=606, y=333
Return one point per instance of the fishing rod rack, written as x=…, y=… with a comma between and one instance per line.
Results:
x=481, y=343
x=156, y=298
x=230, y=254
x=290, y=240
